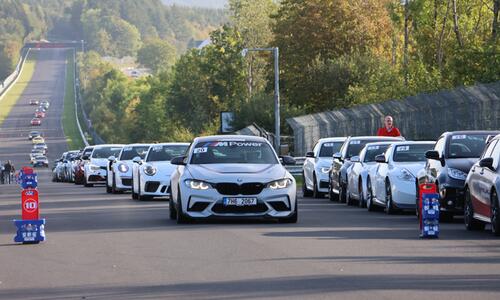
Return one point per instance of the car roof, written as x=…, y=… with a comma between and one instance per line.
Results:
x=413, y=143
x=138, y=145
x=375, y=137
x=170, y=144
x=472, y=132
x=107, y=145
x=230, y=137
x=332, y=139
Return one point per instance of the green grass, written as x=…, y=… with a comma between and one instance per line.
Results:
x=70, y=127
x=10, y=99
x=300, y=180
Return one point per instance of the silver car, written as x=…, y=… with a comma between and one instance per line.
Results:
x=318, y=164
x=232, y=177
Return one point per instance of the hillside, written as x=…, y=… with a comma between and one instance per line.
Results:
x=198, y=3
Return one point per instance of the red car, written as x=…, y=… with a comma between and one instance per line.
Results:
x=79, y=173
x=39, y=114
x=36, y=122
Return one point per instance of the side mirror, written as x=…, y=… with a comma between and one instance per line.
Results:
x=432, y=154
x=355, y=159
x=137, y=160
x=179, y=161
x=310, y=154
x=486, y=163
x=65, y=161
x=288, y=160
x=380, y=158
x=337, y=155
x=112, y=158
x=85, y=157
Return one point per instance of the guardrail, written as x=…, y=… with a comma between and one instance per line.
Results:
x=76, y=96
x=298, y=167
x=8, y=82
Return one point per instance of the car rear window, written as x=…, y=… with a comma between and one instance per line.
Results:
x=466, y=145
x=374, y=150
x=106, y=152
x=411, y=153
x=329, y=148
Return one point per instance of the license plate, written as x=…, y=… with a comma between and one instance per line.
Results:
x=240, y=201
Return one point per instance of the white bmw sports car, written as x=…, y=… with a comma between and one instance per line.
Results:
x=394, y=182
x=119, y=177
x=151, y=176
x=317, y=166
x=95, y=170
x=235, y=177
x=363, y=166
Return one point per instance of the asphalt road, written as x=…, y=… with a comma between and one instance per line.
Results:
x=102, y=246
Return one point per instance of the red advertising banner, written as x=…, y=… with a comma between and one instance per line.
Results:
x=30, y=207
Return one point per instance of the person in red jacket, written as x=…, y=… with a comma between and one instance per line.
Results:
x=388, y=129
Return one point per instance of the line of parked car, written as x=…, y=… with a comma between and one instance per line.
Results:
x=212, y=177
x=385, y=173
x=38, y=154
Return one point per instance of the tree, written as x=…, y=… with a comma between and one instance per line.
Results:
x=158, y=55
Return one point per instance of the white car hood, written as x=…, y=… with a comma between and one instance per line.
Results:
x=413, y=167
x=232, y=172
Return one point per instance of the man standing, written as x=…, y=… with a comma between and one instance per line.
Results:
x=388, y=129
x=7, y=169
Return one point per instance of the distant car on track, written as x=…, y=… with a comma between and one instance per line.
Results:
x=34, y=134
x=36, y=122
x=232, y=177
x=39, y=114
x=38, y=140
x=41, y=161
x=95, y=168
x=34, y=102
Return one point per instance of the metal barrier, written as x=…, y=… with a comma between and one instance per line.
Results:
x=298, y=167
x=8, y=82
x=420, y=117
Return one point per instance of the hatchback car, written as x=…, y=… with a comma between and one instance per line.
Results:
x=41, y=161
x=363, y=165
x=34, y=134
x=392, y=186
x=342, y=162
x=232, y=177
x=482, y=202
x=317, y=166
x=151, y=176
x=448, y=165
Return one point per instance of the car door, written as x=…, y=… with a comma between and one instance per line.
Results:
x=433, y=167
x=380, y=176
x=485, y=181
x=336, y=165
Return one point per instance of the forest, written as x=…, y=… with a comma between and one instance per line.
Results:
x=333, y=54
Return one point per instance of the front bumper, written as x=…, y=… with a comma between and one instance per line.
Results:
x=322, y=181
x=451, y=198
x=98, y=176
x=210, y=204
x=403, y=194
x=123, y=183
x=155, y=187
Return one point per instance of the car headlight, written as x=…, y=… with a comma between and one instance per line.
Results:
x=326, y=170
x=457, y=174
x=94, y=167
x=149, y=170
x=197, y=184
x=279, y=184
x=406, y=175
x=123, y=168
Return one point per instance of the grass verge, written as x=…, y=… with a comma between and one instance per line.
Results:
x=299, y=179
x=70, y=127
x=10, y=98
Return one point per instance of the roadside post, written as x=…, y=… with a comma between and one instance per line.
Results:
x=31, y=229
x=428, y=206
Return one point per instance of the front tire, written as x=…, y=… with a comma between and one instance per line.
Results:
x=369, y=200
x=389, y=205
x=181, y=217
x=469, y=221
x=305, y=192
x=342, y=192
x=316, y=194
x=109, y=190
x=495, y=214
x=361, y=200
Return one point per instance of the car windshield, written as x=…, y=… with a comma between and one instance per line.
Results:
x=374, y=150
x=329, y=148
x=129, y=152
x=355, y=146
x=106, y=152
x=411, y=153
x=72, y=156
x=166, y=152
x=466, y=145
x=233, y=152
x=41, y=145
x=35, y=133
x=87, y=152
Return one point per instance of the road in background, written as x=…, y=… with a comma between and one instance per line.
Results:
x=102, y=246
